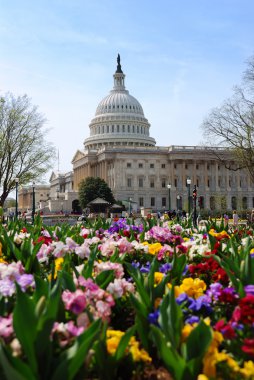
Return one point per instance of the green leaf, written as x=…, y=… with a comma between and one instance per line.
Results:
x=139, y=281
x=170, y=357
x=75, y=355
x=14, y=368
x=104, y=278
x=25, y=324
x=171, y=319
x=120, y=352
x=198, y=341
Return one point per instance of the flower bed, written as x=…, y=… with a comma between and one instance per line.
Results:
x=126, y=301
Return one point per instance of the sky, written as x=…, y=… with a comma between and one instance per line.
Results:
x=181, y=58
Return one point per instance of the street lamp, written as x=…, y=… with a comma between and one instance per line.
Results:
x=169, y=198
x=130, y=200
x=177, y=206
x=33, y=206
x=16, y=210
x=188, y=185
x=194, y=196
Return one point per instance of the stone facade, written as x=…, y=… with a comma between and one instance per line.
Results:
x=120, y=151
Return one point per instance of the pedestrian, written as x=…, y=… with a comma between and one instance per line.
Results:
x=235, y=218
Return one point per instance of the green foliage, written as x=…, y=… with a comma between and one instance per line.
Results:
x=182, y=359
x=92, y=188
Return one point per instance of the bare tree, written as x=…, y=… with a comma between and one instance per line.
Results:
x=24, y=152
x=232, y=126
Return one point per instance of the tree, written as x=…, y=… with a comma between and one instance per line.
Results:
x=232, y=125
x=94, y=187
x=24, y=152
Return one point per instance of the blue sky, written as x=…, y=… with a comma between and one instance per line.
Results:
x=181, y=58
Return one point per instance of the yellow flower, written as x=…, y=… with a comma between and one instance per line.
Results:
x=219, y=235
x=154, y=248
x=192, y=287
x=113, y=340
x=58, y=266
x=187, y=329
x=248, y=370
x=158, y=276
x=202, y=377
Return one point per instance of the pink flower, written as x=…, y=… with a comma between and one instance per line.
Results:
x=120, y=287
x=6, y=327
x=75, y=302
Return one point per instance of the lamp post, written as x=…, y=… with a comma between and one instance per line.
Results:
x=188, y=185
x=194, y=196
x=16, y=209
x=177, y=206
x=130, y=206
x=33, y=206
x=169, y=198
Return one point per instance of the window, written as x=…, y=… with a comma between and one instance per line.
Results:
x=175, y=182
x=118, y=128
x=128, y=129
x=112, y=128
x=141, y=202
x=128, y=165
x=140, y=182
x=152, y=183
x=107, y=128
x=140, y=165
x=163, y=166
x=208, y=183
x=197, y=166
x=152, y=201
x=151, y=166
x=186, y=166
x=128, y=182
x=123, y=128
x=175, y=166
x=163, y=183
x=208, y=167
x=163, y=202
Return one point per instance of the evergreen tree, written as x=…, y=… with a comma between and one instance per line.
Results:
x=92, y=188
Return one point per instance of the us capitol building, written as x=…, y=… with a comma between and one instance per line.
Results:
x=121, y=151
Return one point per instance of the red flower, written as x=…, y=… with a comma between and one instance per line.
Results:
x=244, y=312
x=43, y=239
x=226, y=329
x=220, y=276
x=248, y=346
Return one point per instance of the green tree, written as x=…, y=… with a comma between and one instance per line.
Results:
x=94, y=187
x=231, y=125
x=24, y=152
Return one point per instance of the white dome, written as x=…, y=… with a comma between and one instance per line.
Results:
x=119, y=102
x=119, y=119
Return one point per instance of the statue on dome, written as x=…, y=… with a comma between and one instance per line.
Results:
x=119, y=69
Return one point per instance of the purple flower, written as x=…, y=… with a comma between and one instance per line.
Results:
x=165, y=268
x=153, y=318
x=7, y=287
x=214, y=291
x=202, y=302
x=25, y=280
x=192, y=319
x=181, y=298
x=249, y=289
x=145, y=268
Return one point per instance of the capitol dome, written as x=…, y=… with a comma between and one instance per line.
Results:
x=119, y=119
